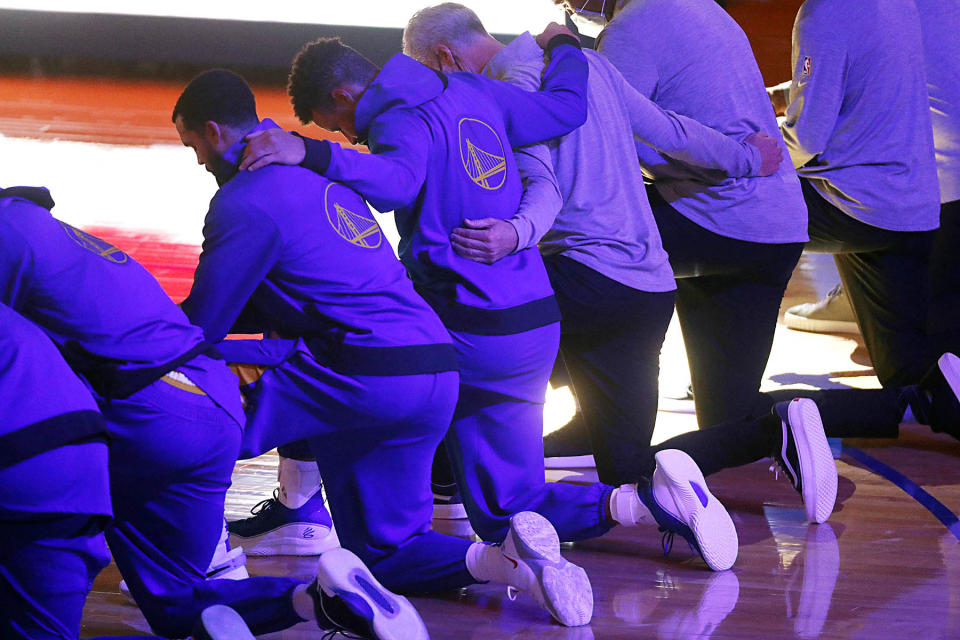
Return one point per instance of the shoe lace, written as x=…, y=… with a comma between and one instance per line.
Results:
x=264, y=506
x=666, y=541
x=776, y=469
x=336, y=628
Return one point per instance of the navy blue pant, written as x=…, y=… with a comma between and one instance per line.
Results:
x=495, y=443
x=886, y=275
x=610, y=340
x=728, y=299
x=172, y=453
x=943, y=320
x=846, y=413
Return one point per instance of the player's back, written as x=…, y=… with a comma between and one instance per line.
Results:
x=470, y=173
x=691, y=57
x=105, y=311
x=334, y=274
x=858, y=107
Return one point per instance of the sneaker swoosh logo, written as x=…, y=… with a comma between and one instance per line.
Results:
x=516, y=564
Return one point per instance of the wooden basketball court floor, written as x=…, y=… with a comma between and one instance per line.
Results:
x=886, y=564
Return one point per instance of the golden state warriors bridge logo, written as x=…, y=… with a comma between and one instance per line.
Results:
x=356, y=227
x=94, y=244
x=481, y=153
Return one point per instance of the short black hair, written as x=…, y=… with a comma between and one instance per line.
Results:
x=319, y=68
x=219, y=95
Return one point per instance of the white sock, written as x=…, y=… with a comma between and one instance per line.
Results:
x=299, y=481
x=303, y=603
x=626, y=508
x=485, y=563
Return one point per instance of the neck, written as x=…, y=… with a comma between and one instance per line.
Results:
x=486, y=48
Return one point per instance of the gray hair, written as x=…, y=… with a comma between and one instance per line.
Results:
x=448, y=23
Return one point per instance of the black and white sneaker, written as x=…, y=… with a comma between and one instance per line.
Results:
x=939, y=393
x=805, y=457
x=349, y=600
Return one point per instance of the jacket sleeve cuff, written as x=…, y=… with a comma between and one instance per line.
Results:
x=561, y=39
x=317, y=154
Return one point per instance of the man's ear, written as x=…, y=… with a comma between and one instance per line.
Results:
x=443, y=59
x=344, y=97
x=212, y=133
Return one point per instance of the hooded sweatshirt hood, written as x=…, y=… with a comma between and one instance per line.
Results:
x=402, y=83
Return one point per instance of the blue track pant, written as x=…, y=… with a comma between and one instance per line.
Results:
x=495, y=442
x=374, y=438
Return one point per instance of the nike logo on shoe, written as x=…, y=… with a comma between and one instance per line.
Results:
x=515, y=563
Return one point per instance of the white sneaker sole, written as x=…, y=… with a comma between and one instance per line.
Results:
x=817, y=467
x=223, y=623
x=561, y=587
x=815, y=325
x=711, y=524
x=569, y=462
x=458, y=528
x=289, y=540
x=455, y=511
x=394, y=618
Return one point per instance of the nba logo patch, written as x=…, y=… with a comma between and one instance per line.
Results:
x=807, y=66
x=356, y=227
x=481, y=154
x=94, y=244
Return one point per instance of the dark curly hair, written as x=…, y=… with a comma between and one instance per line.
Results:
x=218, y=95
x=319, y=68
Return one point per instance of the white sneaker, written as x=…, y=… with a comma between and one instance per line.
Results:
x=805, y=457
x=831, y=314
x=532, y=547
x=349, y=600
x=223, y=623
x=680, y=501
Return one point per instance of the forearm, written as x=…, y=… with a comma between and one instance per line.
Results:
x=386, y=177
x=687, y=140
x=541, y=201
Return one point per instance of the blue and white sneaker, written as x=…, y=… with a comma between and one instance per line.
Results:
x=805, y=457
x=220, y=622
x=532, y=549
x=275, y=530
x=349, y=600
x=681, y=503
